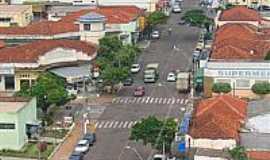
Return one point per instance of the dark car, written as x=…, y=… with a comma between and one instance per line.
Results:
x=76, y=156
x=139, y=91
x=128, y=81
x=90, y=137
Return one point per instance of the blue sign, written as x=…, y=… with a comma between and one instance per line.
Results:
x=181, y=147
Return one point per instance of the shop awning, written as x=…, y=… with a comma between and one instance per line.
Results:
x=73, y=74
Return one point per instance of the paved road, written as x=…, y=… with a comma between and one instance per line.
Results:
x=162, y=99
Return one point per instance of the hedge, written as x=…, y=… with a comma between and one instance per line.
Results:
x=261, y=88
x=221, y=88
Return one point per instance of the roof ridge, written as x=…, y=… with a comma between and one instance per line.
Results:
x=231, y=106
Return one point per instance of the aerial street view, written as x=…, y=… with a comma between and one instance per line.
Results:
x=134, y=79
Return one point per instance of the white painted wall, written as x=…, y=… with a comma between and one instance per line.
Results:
x=196, y=157
x=210, y=143
x=60, y=55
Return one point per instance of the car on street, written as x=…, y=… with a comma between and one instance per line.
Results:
x=159, y=157
x=135, y=68
x=155, y=34
x=139, y=91
x=90, y=137
x=182, y=22
x=76, y=156
x=176, y=8
x=171, y=77
x=82, y=146
x=128, y=81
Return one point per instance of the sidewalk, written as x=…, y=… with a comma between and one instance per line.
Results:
x=68, y=145
x=144, y=44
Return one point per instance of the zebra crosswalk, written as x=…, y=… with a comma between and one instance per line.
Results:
x=111, y=124
x=150, y=100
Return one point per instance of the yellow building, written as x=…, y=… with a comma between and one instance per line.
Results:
x=15, y=15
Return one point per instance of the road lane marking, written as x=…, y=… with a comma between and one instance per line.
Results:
x=178, y=100
x=143, y=99
x=173, y=101
x=130, y=124
x=125, y=124
x=101, y=124
x=120, y=124
x=164, y=100
x=160, y=101
x=115, y=124
x=111, y=124
x=106, y=124
x=182, y=101
x=186, y=101
x=169, y=101
x=156, y=100
x=151, y=100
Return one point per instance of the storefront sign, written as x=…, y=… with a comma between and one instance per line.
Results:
x=244, y=73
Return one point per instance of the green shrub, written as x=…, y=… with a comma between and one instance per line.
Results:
x=267, y=57
x=261, y=88
x=221, y=88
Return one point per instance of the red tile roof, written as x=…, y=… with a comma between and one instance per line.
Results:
x=239, y=13
x=259, y=155
x=114, y=15
x=218, y=118
x=240, y=41
x=2, y=44
x=29, y=53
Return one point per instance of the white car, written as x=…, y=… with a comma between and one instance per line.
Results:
x=82, y=146
x=155, y=35
x=176, y=9
x=171, y=77
x=159, y=157
x=135, y=68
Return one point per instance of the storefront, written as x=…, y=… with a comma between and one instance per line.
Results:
x=240, y=75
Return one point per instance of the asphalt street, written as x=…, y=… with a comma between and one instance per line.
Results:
x=161, y=99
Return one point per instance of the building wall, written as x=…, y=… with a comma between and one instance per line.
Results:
x=21, y=19
x=210, y=143
x=31, y=111
x=25, y=75
x=97, y=32
x=221, y=23
x=196, y=157
x=149, y=5
x=16, y=138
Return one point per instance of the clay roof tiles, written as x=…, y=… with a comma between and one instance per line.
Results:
x=239, y=13
x=29, y=53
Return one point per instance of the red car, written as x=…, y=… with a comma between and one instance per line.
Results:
x=139, y=91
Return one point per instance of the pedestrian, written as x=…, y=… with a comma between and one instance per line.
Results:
x=170, y=31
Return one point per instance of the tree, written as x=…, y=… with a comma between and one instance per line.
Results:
x=115, y=59
x=156, y=17
x=261, y=88
x=221, y=88
x=238, y=153
x=154, y=131
x=197, y=18
x=49, y=89
x=267, y=57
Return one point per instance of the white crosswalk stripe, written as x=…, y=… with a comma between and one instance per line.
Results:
x=114, y=124
x=150, y=100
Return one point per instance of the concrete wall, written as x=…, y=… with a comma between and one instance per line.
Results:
x=210, y=143
x=196, y=157
x=15, y=139
x=22, y=19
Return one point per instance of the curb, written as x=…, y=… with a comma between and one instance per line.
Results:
x=63, y=140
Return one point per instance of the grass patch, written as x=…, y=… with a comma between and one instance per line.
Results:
x=30, y=150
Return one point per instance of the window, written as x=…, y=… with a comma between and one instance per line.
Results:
x=9, y=82
x=7, y=126
x=2, y=19
x=242, y=83
x=223, y=81
x=87, y=27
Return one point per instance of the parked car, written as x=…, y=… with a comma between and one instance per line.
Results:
x=76, y=156
x=135, y=68
x=82, y=146
x=176, y=8
x=128, y=81
x=171, y=77
x=159, y=157
x=90, y=137
x=139, y=91
x=182, y=22
x=155, y=34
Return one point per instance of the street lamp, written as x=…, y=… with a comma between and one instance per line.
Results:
x=135, y=151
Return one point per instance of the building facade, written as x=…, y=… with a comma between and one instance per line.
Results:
x=14, y=124
x=15, y=15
